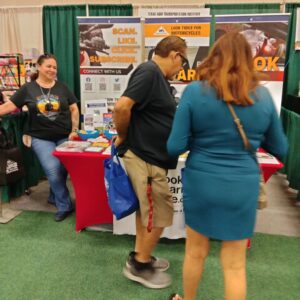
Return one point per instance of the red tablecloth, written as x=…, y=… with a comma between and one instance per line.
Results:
x=268, y=169
x=87, y=174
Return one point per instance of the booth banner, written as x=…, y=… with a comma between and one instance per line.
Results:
x=146, y=11
x=297, y=36
x=267, y=35
x=110, y=49
x=194, y=30
x=177, y=230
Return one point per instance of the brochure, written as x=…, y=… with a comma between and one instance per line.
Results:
x=73, y=146
x=107, y=151
x=93, y=149
x=266, y=158
x=108, y=121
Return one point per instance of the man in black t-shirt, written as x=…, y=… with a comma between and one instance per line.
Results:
x=143, y=117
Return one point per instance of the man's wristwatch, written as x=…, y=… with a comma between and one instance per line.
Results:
x=75, y=130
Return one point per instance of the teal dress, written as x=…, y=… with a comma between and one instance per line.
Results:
x=221, y=178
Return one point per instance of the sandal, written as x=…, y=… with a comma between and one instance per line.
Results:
x=174, y=295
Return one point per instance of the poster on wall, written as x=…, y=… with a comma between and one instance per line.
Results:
x=297, y=36
x=267, y=35
x=110, y=49
x=194, y=30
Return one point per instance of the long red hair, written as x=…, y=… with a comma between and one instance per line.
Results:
x=230, y=70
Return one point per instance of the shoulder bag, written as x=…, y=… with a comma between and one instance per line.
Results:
x=262, y=197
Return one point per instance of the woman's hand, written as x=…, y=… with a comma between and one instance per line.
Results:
x=74, y=119
x=7, y=108
x=73, y=135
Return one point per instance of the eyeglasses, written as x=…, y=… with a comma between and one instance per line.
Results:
x=184, y=60
x=173, y=90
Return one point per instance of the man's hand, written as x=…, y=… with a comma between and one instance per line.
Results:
x=121, y=115
x=118, y=141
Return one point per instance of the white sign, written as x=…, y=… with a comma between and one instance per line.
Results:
x=177, y=230
x=94, y=110
x=172, y=11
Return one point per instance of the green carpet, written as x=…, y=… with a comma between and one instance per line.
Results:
x=42, y=259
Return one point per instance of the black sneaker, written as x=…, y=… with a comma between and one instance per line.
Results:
x=147, y=276
x=160, y=264
x=60, y=216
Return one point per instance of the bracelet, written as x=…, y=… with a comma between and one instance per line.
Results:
x=75, y=130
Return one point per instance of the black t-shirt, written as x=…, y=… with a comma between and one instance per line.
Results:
x=49, y=113
x=151, y=116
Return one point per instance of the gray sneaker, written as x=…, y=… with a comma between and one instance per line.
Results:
x=160, y=264
x=149, y=277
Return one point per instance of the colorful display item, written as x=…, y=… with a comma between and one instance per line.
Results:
x=88, y=134
x=109, y=134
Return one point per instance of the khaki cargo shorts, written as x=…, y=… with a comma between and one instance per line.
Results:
x=138, y=172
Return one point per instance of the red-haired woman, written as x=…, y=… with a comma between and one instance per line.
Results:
x=221, y=178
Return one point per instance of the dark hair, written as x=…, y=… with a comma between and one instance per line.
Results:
x=40, y=61
x=168, y=44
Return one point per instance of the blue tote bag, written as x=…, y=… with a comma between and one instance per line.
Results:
x=121, y=196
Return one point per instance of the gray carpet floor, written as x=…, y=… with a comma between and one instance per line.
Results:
x=281, y=217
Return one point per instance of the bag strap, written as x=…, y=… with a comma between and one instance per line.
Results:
x=239, y=126
x=113, y=149
x=114, y=153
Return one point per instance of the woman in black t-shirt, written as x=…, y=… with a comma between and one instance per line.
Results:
x=53, y=119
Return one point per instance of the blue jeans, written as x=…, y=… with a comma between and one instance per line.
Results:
x=55, y=172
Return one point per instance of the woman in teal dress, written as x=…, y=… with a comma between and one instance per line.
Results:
x=221, y=178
